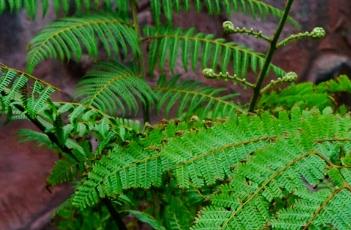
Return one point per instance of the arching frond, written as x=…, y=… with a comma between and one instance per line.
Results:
x=70, y=37
x=201, y=50
x=255, y=8
x=114, y=88
x=33, y=7
x=247, y=149
x=193, y=98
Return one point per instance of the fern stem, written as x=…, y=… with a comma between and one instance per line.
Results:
x=114, y=214
x=269, y=56
x=52, y=137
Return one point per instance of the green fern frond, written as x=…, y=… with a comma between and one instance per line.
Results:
x=69, y=37
x=201, y=50
x=296, y=165
x=33, y=7
x=114, y=88
x=255, y=8
x=199, y=157
x=193, y=98
x=124, y=163
x=325, y=209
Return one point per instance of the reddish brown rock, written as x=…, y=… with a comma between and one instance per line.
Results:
x=24, y=167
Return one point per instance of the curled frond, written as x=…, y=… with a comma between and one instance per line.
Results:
x=114, y=88
x=200, y=50
x=194, y=98
x=68, y=38
x=255, y=8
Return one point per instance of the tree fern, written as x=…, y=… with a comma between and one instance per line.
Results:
x=236, y=169
x=33, y=7
x=193, y=98
x=69, y=37
x=252, y=7
x=168, y=44
x=114, y=88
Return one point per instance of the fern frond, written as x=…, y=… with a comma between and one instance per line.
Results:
x=325, y=209
x=193, y=98
x=121, y=166
x=69, y=37
x=201, y=50
x=255, y=8
x=114, y=88
x=199, y=157
x=33, y=7
x=295, y=166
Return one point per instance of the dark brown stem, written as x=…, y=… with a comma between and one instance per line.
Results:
x=269, y=57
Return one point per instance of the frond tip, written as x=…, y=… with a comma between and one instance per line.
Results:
x=69, y=37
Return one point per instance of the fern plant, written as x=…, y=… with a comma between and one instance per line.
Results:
x=199, y=158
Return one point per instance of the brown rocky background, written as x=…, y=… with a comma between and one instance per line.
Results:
x=25, y=203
